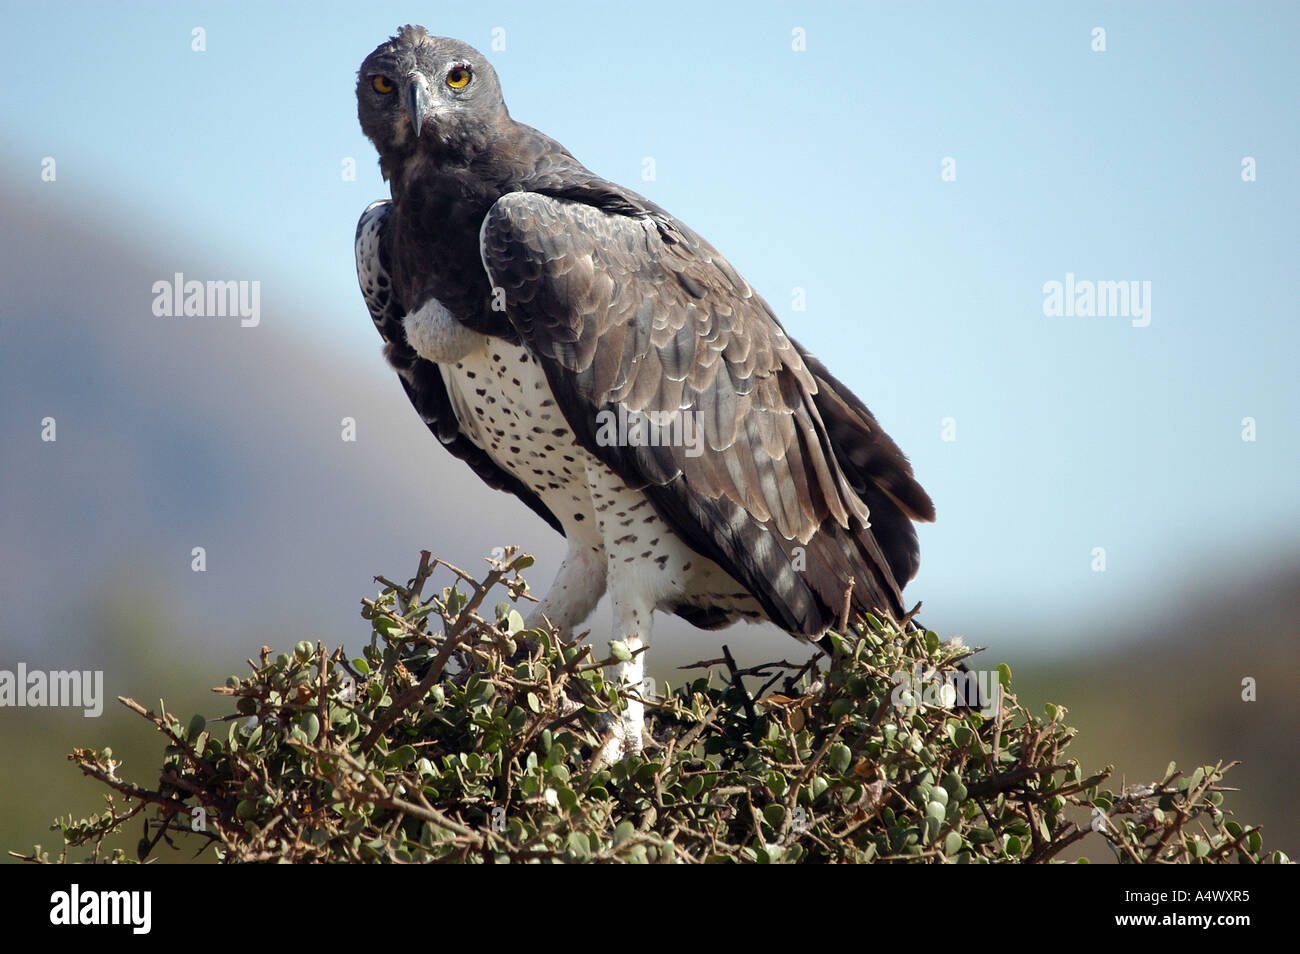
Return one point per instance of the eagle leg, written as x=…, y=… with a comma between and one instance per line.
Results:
x=633, y=621
x=579, y=585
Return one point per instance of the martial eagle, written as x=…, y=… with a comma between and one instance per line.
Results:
x=581, y=348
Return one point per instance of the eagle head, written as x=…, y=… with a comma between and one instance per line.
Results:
x=418, y=93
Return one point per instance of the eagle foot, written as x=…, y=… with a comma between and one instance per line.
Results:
x=623, y=737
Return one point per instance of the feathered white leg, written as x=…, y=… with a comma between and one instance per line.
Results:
x=618, y=512
x=579, y=585
x=633, y=619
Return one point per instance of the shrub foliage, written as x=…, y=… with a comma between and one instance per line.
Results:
x=460, y=736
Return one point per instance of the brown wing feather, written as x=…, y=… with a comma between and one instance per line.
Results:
x=638, y=311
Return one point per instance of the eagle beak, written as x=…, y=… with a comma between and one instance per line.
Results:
x=418, y=99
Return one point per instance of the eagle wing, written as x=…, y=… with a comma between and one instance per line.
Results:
x=629, y=311
x=421, y=378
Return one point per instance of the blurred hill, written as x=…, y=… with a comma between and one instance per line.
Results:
x=177, y=433
x=1174, y=693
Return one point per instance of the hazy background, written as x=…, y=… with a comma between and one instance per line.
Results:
x=817, y=170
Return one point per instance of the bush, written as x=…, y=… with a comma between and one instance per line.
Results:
x=476, y=740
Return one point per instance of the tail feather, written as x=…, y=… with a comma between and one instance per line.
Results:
x=876, y=469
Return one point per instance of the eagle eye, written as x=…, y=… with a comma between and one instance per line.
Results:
x=459, y=77
x=382, y=85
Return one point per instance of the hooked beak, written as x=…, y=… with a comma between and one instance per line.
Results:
x=418, y=100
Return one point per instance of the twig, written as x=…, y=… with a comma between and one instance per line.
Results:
x=740, y=684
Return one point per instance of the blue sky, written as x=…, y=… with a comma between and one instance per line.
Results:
x=820, y=170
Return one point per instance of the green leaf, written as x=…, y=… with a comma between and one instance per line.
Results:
x=579, y=845
x=402, y=756
x=623, y=832
x=840, y=757
x=310, y=725
x=840, y=644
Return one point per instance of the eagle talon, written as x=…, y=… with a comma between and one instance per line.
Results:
x=621, y=739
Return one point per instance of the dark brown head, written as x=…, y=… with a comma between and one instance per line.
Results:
x=418, y=93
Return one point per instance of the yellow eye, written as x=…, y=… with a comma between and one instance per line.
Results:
x=458, y=78
x=381, y=84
